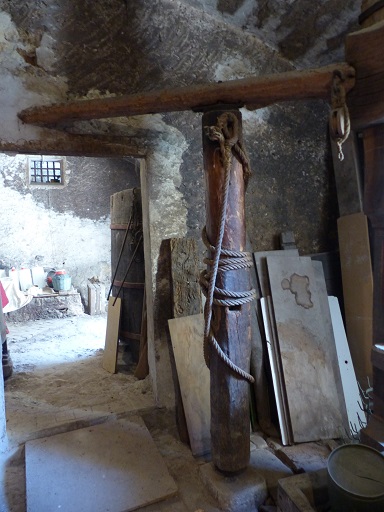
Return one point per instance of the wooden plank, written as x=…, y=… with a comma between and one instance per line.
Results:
x=260, y=259
x=186, y=291
x=263, y=395
x=142, y=368
x=372, y=11
x=186, y=301
x=304, y=347
x=348, y=176
x=356, y=269
x=256, y=91
x=112, y=335
x=66, y=144
x=277, y=384
x=374, y=208
x=187, y=341
x=363, y=51
x=348, y=376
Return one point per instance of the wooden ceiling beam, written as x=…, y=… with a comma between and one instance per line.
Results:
x=256, y=92
x=66, y=144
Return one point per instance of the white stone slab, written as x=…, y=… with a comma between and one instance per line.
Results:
x=348, y=376
x=262, y=270
x=112, y=467
x=187, y=334
x=276, y=381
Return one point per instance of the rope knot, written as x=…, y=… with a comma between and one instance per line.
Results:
x=226, y=132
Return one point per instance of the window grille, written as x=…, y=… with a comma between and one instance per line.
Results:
x=46, y=171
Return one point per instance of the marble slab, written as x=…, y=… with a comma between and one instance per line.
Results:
x=306, y=349
x=112, y=467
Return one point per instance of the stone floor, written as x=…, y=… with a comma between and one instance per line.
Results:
x=58, y=385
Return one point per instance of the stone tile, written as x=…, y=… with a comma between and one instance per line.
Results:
x=305, y=457
x=114, y=466
x=270, y=467
x=241, y=493
x=86, y=412
x=65, y=416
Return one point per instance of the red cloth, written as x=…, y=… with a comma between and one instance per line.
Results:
x=4, y=302
x=4, y=298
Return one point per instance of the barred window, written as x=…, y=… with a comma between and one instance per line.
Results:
x=46, y=170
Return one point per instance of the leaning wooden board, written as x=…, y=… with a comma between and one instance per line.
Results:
x=112, y=335
x=187, y=335
x=274, y=362
x=356, y=270
x=304, y=347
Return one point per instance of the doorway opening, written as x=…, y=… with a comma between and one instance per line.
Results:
x=58, y=379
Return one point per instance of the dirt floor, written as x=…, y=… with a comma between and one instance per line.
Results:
x=58, y=384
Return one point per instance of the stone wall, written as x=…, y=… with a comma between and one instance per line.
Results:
x=53, y=51
x=62, y=227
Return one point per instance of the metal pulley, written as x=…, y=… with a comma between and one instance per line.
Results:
x=337, y=123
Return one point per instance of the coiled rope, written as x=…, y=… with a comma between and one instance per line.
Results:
x=224, y=259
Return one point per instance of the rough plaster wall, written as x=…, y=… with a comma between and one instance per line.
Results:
x=95, y=47
x=22, y=84
x=62, y=227
x=307, y=33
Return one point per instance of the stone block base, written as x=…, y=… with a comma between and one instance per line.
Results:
x=241, y=493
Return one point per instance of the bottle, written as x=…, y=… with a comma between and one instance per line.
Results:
x=13, y=273
x=25, y=279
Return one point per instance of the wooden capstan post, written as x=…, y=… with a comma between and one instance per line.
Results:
x=227, y=310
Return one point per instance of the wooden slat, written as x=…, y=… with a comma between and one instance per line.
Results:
x=363, y=51
x=348, y=176
x=186, y=301
x=142, y=368
x=356, y=270
x=112, y=335
x=66, y=144
x=130, y=335
x=274, y=361
x=126, y=284
x=187, y=335
x=373, y=138
x=257, y=91
x=119, y=226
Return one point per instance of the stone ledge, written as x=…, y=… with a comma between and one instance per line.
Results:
x=60, y=305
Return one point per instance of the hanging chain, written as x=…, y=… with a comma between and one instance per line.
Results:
x=339, y=121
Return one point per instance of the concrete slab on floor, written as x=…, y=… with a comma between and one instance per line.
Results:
x=270, y=467
x=114, y=466
x=242, y=493
x=305, y=457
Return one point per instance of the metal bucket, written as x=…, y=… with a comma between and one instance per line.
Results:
x=356, y=479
